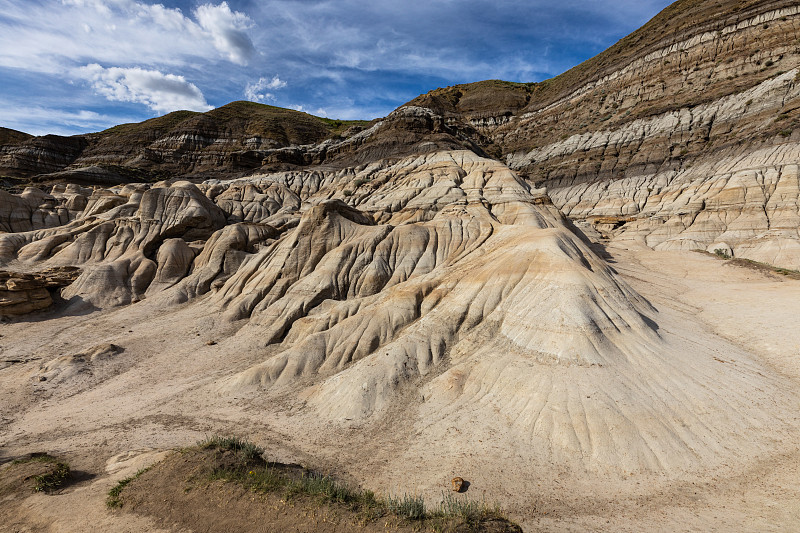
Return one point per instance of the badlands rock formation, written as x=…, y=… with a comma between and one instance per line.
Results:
x=228, y=140
x=686, y=131
x=417, y=287
x=22, y=293
x=446, y=271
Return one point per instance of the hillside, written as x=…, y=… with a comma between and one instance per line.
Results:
x=224, y=141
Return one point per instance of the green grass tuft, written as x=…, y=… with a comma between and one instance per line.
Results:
x=114, y=500
x=53, y=480
x=408, y=506
x=247, y=450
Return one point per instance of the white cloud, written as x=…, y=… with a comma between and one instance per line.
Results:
x=55, y=36
x=257, y=91
x=39, y=120
x=160, y=92
x=227, y=29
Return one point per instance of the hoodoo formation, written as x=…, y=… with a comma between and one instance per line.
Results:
x=498, y=281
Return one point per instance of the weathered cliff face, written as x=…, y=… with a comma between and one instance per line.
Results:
x=711, y=166
x=741, y=196
x=39, y=155
x=687, y=138
x=23, y=293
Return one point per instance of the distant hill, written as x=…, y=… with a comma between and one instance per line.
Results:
x=233, y=138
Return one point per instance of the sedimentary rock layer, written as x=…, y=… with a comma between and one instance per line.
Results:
x=438, y=281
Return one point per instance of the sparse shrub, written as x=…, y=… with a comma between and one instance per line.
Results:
x=785, y=133
x=329, y=489
x=359, y=182
x=348, y=192
x=470, y=510
x=52, y=480
x=719, y=252
x=769, y=63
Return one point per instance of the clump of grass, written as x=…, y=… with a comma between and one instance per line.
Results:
x=114, y=500
x=247, y=450
x=410, y=507
x=52, y=480
x=468, y=509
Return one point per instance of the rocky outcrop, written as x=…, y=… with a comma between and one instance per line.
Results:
x=40, y=155
x=23, y=293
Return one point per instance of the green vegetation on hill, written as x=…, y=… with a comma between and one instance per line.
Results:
x=163, y=123
x=243, y=117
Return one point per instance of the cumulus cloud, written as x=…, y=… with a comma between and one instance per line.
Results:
x=160, y=92
x=258, y=91
x=228, y=30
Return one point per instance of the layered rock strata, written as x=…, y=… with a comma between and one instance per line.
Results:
x=435, y=281
x=23, y=293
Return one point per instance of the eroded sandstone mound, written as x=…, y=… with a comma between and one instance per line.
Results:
x=434, y=283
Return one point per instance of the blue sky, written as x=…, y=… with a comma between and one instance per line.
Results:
x=74, y=66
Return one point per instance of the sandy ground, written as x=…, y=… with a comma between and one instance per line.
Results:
x=161, y=393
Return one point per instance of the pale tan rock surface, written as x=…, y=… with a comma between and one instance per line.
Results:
x=23, y=293
x=396, y=309
x=403, y=324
